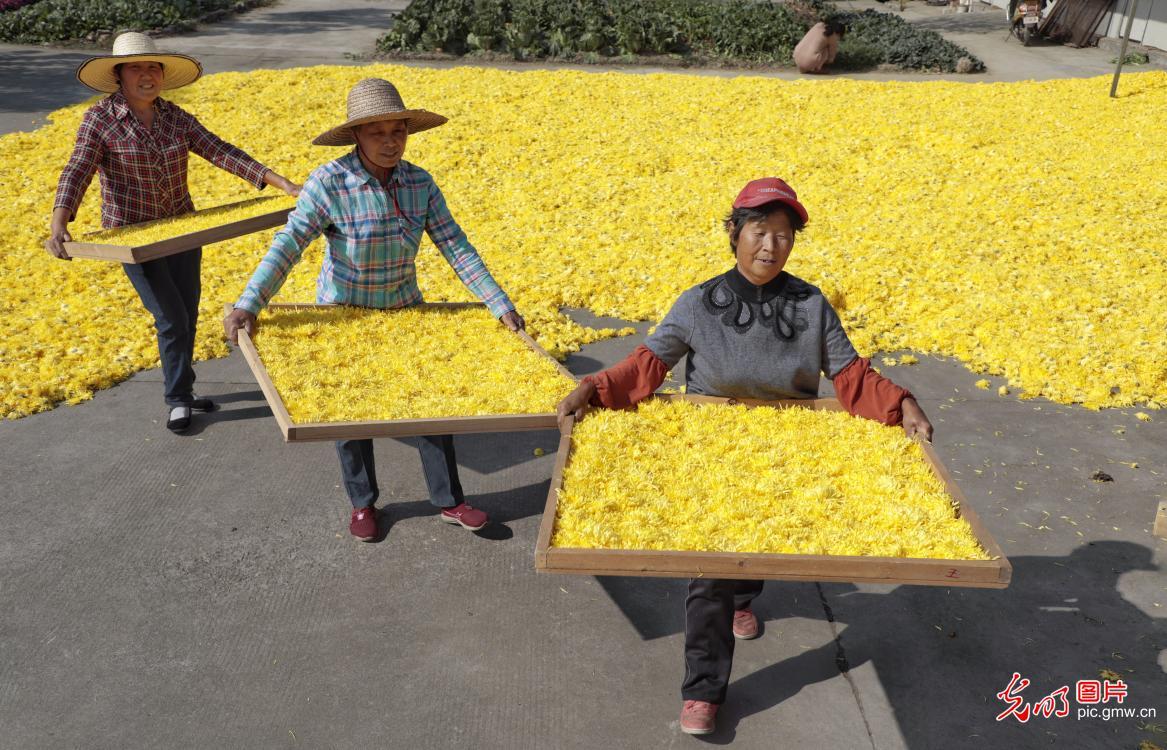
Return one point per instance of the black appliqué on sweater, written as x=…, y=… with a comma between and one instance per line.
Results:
x=741, y=305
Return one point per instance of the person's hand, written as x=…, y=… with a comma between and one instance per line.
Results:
x=280, y=182
x=575, y=403
x=289, y=187
x=513, y=321
x=236, y=321
x=58, y=236
x=915, y=421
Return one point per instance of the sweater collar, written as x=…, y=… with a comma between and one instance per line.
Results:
x=750, y=292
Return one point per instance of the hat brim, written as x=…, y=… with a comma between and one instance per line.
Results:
x=177, y=70
x=416, y=120
x=762, y=200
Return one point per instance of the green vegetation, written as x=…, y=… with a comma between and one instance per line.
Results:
x=735, y=31
x=67, y=20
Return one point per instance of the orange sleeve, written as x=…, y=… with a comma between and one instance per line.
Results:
x=631, y=380
x=865, y=393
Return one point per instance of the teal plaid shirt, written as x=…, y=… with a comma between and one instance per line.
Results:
x=373, y=235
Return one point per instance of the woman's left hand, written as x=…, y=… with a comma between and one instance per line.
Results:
x=915, y=421
x=513, y=321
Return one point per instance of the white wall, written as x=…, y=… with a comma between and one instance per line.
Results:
x=1150, y=25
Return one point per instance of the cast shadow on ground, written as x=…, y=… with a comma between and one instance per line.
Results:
x=579, y=366
x=503, y=507
x=299, y=23
x=202, y=422
x=231, y=398
x=941, y=655
x=490, y=452
x=38, y=81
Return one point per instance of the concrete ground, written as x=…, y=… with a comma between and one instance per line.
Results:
x=202, y=591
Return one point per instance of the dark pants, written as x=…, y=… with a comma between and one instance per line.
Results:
x=438, y=464
x=170, y=288
x=709, y=638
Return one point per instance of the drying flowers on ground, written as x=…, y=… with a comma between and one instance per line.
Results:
x=342, y=364
x=136, y=235
x=931, y=229
x=673, y=475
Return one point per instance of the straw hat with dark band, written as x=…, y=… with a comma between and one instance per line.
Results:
x=373, y=100
x=178, y=70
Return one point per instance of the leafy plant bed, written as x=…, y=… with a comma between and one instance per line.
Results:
x=741, y=33
x=899, y=43
x=98, y=21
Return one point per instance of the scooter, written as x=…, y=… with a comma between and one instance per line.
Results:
x=1026, y=19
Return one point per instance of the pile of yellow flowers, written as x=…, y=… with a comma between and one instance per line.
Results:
x=342, y=364
x=136, y=235
x=1015, y=226
x=673, y=475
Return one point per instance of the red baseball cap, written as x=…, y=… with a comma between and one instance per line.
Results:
x=768, y=190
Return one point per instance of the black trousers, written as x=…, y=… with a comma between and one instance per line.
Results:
x=709, y=638
x=170, y=288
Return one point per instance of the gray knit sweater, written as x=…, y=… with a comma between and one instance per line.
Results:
x=745, y=341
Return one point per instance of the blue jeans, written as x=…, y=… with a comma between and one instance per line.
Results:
x=170, y=288
x=438, y=464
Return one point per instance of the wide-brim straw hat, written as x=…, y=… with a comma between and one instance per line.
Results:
x=373, y=100
x=177, y=70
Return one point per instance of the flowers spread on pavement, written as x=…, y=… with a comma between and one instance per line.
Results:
x=344, y=364
x=681, y=476
x=1017, y=227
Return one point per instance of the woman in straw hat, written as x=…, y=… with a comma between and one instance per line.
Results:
x=752, y=332
x=139, y=143
x=372, y=206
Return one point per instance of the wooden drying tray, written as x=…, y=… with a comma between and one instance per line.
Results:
x=297, y=432
x=994, y=573
x=181, y=243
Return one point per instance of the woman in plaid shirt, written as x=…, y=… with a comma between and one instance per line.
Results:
x=140, y=144
x=372, y=207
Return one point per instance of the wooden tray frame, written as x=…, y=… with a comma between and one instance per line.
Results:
x=994, y=573
x=179, y=244
x=309, y=431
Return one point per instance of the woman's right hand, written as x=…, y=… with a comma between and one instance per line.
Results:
x=58, y=236
x=575, y=403
x=237, y=320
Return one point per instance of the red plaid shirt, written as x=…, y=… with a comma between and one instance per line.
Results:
x=143, y=171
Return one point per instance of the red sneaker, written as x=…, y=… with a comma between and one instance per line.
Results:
x=465, y=516
x=745, y=625
x=698, y=717
x=363, y=524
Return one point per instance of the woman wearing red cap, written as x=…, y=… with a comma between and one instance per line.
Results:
x=753, y=332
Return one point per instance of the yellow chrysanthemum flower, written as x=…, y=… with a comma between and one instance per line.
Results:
x=145, y=233
x=943, y=263
x=673, y=475
x=346, y=364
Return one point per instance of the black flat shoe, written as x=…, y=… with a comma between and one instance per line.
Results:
x=203, y=405
x=179, y=420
